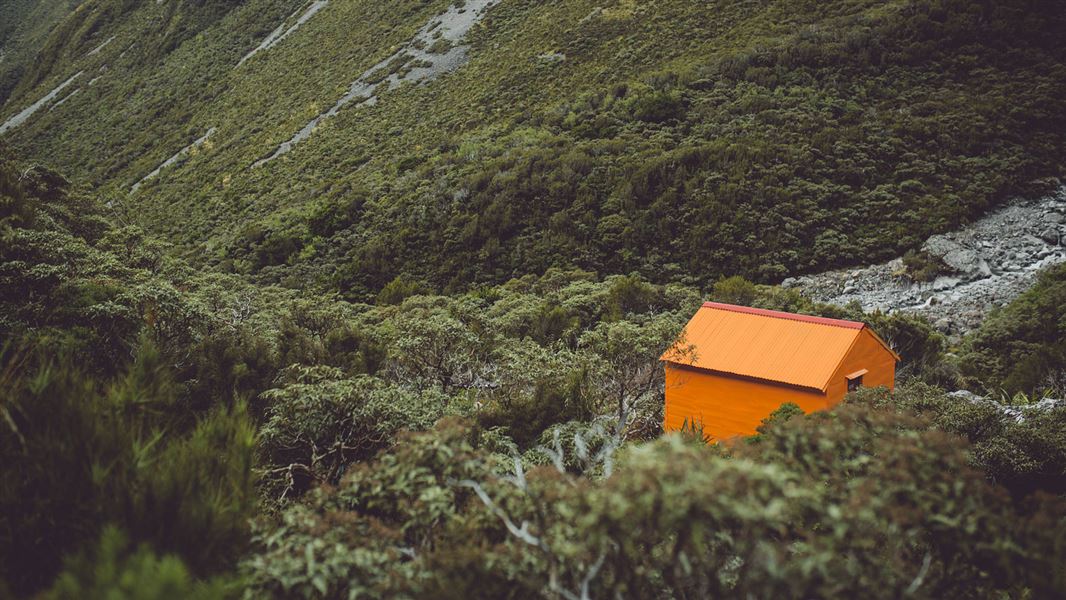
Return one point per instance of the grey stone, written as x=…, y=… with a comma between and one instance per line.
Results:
x=955, y=255
x=551, y=58
x=1050, y=235
x=1055, y=218
x=945, y=282
x=966, y=395
x=983, y=268
x=986, y=264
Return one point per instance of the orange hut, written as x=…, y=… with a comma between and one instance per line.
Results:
x=735, y=365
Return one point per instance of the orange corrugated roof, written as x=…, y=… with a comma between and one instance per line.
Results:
x=766, y=344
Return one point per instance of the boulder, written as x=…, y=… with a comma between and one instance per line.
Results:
x=1050, y=234
x=944, y=282
x=966, y=395
x=943, y=325
x=956, y=256
x=1055, y=218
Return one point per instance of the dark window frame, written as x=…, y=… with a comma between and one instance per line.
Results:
x=855, y=383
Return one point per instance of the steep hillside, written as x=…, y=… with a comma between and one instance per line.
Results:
x=25, y=26
x=366, y=298
x=684, y=140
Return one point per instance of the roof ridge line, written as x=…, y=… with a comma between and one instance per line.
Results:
x=777, y=314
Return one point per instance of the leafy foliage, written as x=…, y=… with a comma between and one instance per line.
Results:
x=88, y=452
x=532, y=230
x=851, y=501
x=1023, y=454
x=685, y=141
x=116, y=570
x=1022, y=348
x=322, y=422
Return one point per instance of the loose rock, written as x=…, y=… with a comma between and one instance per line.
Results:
x=993, y=260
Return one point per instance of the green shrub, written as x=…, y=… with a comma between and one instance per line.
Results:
x=114, y=569
x=227, y=365
x=1022, y=347
x=320, y=422
x=657, y=106
x=734, y=290
x=398, y=290
x=367, y=537
x=781, y=414
x=525, y=417
x=632, y=294
x=922, y=267
x=856, y=500
x=1023, y=456
x=91, y=451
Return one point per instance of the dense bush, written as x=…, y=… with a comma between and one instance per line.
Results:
x=687, y=144
x=799, y=175
x=140, y=463
x=319, y=422
x=1024, y=454
x=685, y=141
x=79, y=452
x=854, y=501
x=117, y=570
x=360, y=538
x=1022, y=347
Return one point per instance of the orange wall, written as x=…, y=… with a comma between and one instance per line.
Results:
x=727, y=406
x=867, y=353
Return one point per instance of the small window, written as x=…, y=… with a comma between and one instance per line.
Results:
x=854, y=383
x=855, y=380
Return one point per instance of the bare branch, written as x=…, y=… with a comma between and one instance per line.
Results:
x=920, y=577
x=27, y=172
x=521, y=533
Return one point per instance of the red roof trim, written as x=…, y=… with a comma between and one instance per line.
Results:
x=776, y=314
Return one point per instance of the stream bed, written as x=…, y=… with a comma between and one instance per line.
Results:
x=985, y=265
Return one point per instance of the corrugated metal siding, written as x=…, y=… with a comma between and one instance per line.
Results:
x=765, y=345
x=726, y=406
x=868, y=354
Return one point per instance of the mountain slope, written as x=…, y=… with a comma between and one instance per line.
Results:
x=25, y=26
x=680, y=139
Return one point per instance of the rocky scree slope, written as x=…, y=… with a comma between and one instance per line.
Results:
x=983, y=266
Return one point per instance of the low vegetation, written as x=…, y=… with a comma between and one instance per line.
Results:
x=169, y=433
x=1022, y=347
x=417, y=356
x=680, y=140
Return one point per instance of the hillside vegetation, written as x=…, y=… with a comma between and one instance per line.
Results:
x=150, y=410
x=682, y=140
x=417, y=355
x=25, y=27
